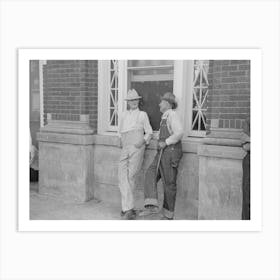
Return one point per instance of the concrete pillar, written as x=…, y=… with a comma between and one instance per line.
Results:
x=220, y=176
x=66, y=159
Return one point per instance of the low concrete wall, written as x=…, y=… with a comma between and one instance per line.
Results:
x=66, y=156
x=80, y=167
x=220, y=181
x=66, y=170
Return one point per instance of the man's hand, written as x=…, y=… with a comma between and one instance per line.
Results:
x=139, y=144
x=161, y=145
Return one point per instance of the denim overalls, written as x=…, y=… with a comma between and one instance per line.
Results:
x=168, y=169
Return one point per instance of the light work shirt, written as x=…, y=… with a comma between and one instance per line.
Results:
x=174, y=126
x=135, y=120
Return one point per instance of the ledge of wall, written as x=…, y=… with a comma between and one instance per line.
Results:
x=63, y=138
x=189, y=145
x=226, y=137
x=221, y=151
x=70, y=127
x=55, y=136
x=229, y=141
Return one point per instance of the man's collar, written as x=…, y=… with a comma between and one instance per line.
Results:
x=131, y=111
x=166, y=113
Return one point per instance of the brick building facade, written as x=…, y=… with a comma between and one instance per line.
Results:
x=70, y=89
x=228, y=104
x=79, y=146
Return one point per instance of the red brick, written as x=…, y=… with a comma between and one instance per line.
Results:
x=239, y=61
x=229, y=80
x=244, y=104
x=237, y=73
x=66, y=83
x=229, y=104
x=229, y=68
x=244, y=67
x=233, y=116
x=221, y=62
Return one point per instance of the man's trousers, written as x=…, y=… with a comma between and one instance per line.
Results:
x=168, y=170
x=129, y=165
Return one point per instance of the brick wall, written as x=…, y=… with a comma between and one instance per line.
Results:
x=228, y=99
x=70, y=89
x=34, y=100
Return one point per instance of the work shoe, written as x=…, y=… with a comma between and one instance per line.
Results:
x=165, y=218
x=128, y=215
x=149, y=210
x=134, y=210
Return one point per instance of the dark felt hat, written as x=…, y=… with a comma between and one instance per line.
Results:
x=170, y=97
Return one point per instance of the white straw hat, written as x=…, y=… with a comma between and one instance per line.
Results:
x=132, y=95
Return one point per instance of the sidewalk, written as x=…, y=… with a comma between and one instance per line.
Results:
x=46, y=207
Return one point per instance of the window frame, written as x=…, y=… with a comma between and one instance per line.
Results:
x=182, y=89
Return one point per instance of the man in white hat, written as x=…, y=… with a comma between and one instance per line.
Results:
x=135, y=133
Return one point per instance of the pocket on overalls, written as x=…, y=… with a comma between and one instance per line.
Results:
x=175, y=157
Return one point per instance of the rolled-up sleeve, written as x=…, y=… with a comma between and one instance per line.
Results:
x=147, y=128
x=176, y=129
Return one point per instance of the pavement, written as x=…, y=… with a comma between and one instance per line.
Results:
x=47, y=207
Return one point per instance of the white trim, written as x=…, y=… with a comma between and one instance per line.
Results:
x=108, y=97
x=122, y=86
x=193, y=133
x=103, y=84
x=189, y=101
x=150, y=67
x=103, y=126
x=100, y=86
x=152, y=77
x=41, y=91
x=182, y=89
x=179, y=87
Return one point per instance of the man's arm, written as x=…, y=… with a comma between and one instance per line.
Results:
x=177, y=129
x=120, y=128
x=147, y=129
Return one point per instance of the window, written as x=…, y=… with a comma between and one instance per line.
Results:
x=151, y=79
x=113, y=103
x=199, y=97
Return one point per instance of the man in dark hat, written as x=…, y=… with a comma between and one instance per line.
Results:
x=166, y=161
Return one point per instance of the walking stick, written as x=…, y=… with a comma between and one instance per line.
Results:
x=158, y=163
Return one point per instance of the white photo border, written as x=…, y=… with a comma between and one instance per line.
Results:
x=24, y=222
